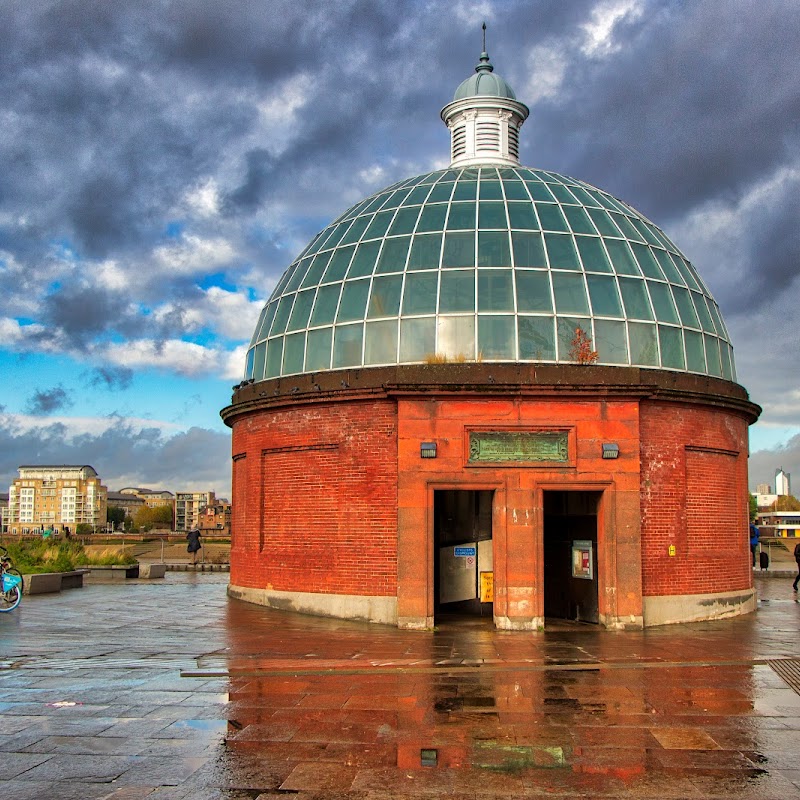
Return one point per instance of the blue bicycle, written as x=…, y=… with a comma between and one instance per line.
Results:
x=10, y=583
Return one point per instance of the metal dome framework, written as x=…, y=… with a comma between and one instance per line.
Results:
x=489, y=264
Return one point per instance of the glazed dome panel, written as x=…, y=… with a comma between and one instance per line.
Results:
x=489, y=264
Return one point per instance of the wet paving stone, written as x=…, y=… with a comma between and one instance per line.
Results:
x=181, y=693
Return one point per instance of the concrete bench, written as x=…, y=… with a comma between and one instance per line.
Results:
x=48, y=582
x=112, y=574
x=152, y=570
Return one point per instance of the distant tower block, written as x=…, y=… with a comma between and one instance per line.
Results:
x=783, y=482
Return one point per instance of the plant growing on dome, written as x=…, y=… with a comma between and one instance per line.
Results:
x=580, y=349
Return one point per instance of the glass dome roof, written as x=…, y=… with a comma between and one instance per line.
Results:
x=489, y=264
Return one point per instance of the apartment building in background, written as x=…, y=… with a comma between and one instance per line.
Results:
x=3, y=512
x=56, y=498
x=215, y=519
x=188, y=507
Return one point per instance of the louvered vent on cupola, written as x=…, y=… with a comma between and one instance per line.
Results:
x=459, y=141
x=487, y=136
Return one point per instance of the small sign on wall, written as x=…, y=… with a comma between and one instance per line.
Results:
x=582, y=562
x=487, y=587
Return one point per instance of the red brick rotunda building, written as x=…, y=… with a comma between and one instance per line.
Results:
x=491, y=390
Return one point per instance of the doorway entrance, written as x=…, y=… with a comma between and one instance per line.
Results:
x=570, y=555
x=463, y=557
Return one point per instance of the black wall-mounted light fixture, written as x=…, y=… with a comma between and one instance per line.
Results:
x=610, y=450
x=427, y=450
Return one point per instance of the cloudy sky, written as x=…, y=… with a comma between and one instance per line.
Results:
x=161, y=163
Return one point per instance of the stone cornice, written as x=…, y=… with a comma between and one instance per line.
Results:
x=490, y=380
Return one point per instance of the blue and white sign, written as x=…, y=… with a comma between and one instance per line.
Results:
x=465, y=552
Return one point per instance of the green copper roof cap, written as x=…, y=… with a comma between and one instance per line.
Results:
x=485, y=83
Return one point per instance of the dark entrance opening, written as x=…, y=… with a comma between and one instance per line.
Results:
x=570, y=555
x=463, y=558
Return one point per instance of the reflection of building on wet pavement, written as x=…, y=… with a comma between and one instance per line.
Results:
x=496, y=391
x=172, y=690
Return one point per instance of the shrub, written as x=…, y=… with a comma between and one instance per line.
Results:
x=43, y=555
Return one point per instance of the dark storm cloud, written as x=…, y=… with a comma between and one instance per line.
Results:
x=111, y=378
x=773, y=253
x=123, y=454
x=763, y=464
x=80, y=312
x=694, y=105
x=46, y=401
x=113, y=115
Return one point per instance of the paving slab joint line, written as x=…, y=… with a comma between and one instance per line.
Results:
x=456, y=668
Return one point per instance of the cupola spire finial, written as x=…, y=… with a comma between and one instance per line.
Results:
x=484, y=118
x=484, y=65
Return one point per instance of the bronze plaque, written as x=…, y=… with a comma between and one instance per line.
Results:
x=523, y=446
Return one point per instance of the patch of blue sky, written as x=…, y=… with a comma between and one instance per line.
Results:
x=65, y=249
x=771, y=437
x=182, y=401
x=174, y=229
x=217, y=280
x=205, y=337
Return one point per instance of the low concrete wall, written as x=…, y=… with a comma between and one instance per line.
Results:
x=50, y=582
x=671, y=609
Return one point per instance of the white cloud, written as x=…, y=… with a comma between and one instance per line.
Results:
x=193, y=254
x=598, y=39
x=472, y=13
x=81, y=426
x=232, y=314
x=111, y=275
x=203, y=199
x=547, y=65
x=233, y=368
x=25, y=337
x=372, y=175
x=173, y=355
x=278, y=114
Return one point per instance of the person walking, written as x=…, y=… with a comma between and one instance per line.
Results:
x=194, y=544
x=755, y=536
x=797, y=559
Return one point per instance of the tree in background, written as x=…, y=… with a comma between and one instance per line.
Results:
x=753, y=508
x=156, y=517
x=116, y=515
x=786, y=502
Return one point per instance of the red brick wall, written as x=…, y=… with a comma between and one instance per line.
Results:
x=316, y=499
x=694, y=497
x=323, y=492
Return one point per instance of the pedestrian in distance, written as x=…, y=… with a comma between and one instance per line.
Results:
x=194, y=544
x=797, y=559
x=755, y=536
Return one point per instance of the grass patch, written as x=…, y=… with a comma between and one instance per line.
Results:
x=43, y=555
